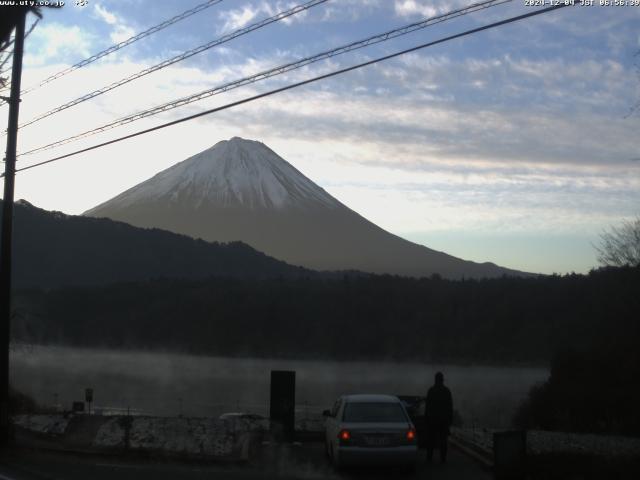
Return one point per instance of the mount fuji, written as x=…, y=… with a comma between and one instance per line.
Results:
x=242, y=190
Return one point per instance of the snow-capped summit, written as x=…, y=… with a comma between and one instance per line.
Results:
x=241, y=190
x=232, y=173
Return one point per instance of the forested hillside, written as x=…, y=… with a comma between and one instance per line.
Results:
x=52, y=250
x=507, y=320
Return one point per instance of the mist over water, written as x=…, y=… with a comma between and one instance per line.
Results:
x=171, y=384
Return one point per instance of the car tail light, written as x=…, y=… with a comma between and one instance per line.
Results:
x=344, y=435
x=411, y=434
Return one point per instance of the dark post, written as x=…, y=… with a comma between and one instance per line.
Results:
x=7, y=227
x=283, y=402
x=88, y=397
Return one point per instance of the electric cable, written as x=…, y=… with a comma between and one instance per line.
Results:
x=124, y=43
x=279, y=70
x=301, y=83
x=190, y=53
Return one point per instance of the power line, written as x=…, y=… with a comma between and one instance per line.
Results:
x=190, y=53
x=302, y=83
x=372, y=40
x=124, y=43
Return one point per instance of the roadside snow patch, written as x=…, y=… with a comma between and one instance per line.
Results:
x=111, y=434
x=192, y=436
x=49, y=424
x=542, y=442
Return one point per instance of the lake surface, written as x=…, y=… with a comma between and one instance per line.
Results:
x=171, y=384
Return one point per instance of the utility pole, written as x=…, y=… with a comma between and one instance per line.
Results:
x=7, y=229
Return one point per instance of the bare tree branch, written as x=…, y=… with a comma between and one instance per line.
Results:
x=4, y=60
x=4, y=81
x=620, y=246
x=10, y=17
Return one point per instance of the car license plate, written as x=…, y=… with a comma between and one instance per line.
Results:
x=377, y=441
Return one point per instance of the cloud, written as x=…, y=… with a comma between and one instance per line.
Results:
x=243, y=16
x=105, y=15
x=349, y=10
x=55, y=42
x=505, y=123
x=240, y=17
x=421, y=120
x=406, y=8
x=423, y=8
x=121, y=30
x=121, y=33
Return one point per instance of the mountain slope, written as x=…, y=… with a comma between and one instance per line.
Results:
x=52, y=249
x=241, y=190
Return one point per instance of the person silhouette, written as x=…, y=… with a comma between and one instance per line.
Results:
x=438, y=417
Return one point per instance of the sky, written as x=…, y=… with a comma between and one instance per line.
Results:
x=517, y=145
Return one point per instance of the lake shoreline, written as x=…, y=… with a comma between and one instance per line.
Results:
x=167, y=384
x=288, y=357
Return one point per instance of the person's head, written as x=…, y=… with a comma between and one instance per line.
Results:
x=439, y=378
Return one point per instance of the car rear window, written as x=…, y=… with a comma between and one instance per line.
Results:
x=373, y=412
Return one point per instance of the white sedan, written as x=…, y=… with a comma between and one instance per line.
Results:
x=370, y=430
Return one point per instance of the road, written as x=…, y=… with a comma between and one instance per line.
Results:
x=295, y=461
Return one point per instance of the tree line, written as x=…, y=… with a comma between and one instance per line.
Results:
x=494, y=321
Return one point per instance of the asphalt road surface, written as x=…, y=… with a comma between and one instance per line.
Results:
x=293, y=461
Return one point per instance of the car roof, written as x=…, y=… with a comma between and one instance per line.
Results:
x=369, y=397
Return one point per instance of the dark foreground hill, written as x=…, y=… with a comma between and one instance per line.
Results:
x=506, y=320
x=52, y=249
